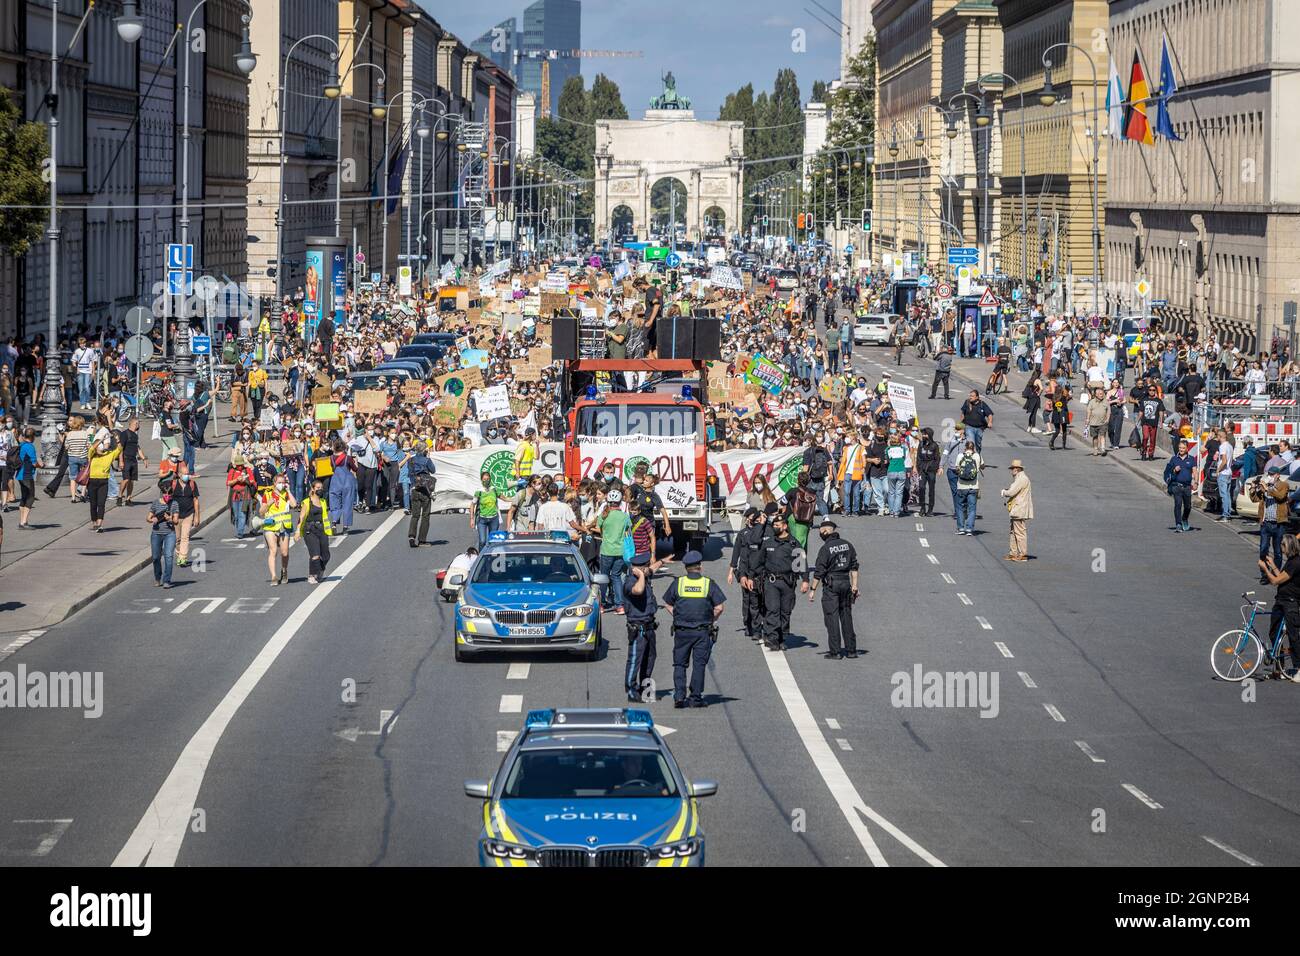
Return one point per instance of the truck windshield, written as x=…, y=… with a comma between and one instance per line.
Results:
x=609, y=421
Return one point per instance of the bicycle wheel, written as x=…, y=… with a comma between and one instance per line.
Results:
x=1236, y=655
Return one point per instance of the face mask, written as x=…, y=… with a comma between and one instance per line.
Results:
x=185, y=478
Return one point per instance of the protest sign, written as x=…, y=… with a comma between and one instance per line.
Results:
x=326, y=412
x=833, y=389
x=903, y=398
x=321, y=393
x=369, y=401
x=492, y=403
x=550, y=302
x=412, y=391
x=726, y=277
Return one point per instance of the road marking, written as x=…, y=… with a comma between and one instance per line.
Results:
x=920, y=526
x=832, y=723
x=1028, y=681
x=933, y=559
x=387, y=721
x=1092, y=754
x=925, y=543
x=518, y=671
x=1056, y=714
x=948, y=578
x=1142, y=796
x=504, y=739
x=511, y=704
x=984, y=623
x=54, y=829
x=14, y=646
x=1231, y=852
x=843, y=744
x=832, y=773
x=157, y=838
x=1006, y=652
x=964, y=599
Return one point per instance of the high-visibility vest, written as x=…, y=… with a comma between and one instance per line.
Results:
x=277, y=517
x=524, y=463
x=693, y=587
x=853, y=460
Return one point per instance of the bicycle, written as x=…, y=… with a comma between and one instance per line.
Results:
x=997, y=381
x=1238, y=654
x=922, y=343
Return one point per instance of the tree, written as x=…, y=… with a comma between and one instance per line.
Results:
x=569, y=138
x=851, y=127
x=23, y=150
x=773, y=128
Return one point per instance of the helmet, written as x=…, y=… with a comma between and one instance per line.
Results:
x=614, y=497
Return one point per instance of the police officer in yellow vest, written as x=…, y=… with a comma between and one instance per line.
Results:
x=696, y=604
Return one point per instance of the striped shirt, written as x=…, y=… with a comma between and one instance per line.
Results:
x=78, y=443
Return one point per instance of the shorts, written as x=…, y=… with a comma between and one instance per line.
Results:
x=130, y=471
x=27, y=488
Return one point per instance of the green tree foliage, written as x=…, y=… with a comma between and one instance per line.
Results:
x=569, y=138
x=851, y=127
x=773, y=128
x=22, y=151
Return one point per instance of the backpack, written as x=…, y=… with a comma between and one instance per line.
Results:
x=424, y=482
x=967, y=468
x=805, y=506
x=14, y=460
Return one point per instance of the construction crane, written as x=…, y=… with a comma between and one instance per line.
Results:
x=547, y=55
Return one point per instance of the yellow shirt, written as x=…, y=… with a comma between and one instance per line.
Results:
x=99, y=464
x=257, y=378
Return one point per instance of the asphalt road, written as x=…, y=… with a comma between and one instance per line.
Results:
x=1111, y=744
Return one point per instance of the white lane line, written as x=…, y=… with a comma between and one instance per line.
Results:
x=518, y=671
x=504, y=739
x=53, y=830
x=964, y=599
x=1005, y=651
x=1092, y=754
x=832, y=773
x=158, y=836
x=1056, y=714
x=1142, y=796
x=933, y=558
x=14, y=646
x=948, y=578
x=511, y=704
x=984, y=622
x=925, y=543
x=843, y=744
x=1028, y=681
x=1231, y=852
x=832, y=723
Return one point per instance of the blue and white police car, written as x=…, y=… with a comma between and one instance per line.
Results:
x=590, y=787
x=530, y=592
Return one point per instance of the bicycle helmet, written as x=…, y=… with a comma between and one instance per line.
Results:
x=615, y=497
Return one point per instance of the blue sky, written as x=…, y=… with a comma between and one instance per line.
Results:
x=711, y=46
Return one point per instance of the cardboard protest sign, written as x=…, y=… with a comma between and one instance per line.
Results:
x=460, y=382
x=322, y=379
x=412, y=391
x=551, y=301
x=369, y=401
x=833, y=389
x=321, y=394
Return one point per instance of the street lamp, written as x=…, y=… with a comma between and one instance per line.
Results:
x=331, y=89
x=421, y=130
x=338, y=158
x=52, y=412
x=129, y=25
x=1047, y=97
x=1020, y=127
x=988, y=160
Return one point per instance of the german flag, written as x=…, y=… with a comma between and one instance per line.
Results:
x=1136, y=125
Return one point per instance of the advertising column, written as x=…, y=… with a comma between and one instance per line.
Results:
x=326, y=285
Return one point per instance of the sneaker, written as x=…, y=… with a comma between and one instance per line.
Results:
x=620, y=610
x=411, y=541
x=959, y=531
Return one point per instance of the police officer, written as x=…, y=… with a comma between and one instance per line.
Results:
x=743, y=553
x=781, y=560
x=695, y=603
x=639, y=600
x=837, y=568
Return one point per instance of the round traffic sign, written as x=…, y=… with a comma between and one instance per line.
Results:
x=361, y=257
x=924, y=281
x=138, y=349
x=594, y=262
x=943, y=291
x=139, y=319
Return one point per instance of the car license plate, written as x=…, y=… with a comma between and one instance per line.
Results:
x=527, y=632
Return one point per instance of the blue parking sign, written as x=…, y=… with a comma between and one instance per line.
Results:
x=200, y=345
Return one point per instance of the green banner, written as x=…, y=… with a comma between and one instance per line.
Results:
x=656, y=253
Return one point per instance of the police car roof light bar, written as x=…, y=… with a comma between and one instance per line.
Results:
x=539, y=719
x=640, y=719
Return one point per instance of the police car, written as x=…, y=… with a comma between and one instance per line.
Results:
x=529, y=591
x=590, y=787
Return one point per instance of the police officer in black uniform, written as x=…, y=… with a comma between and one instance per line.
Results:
x=743, y=552
x=782, y=559
x=639, y=600
x=695, y=603
x=837, y=568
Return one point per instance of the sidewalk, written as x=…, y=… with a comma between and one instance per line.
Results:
x=58, y=567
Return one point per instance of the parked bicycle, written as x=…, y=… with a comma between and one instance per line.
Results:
x=1240, y=653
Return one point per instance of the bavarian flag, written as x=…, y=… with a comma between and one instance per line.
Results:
x=1136, y=125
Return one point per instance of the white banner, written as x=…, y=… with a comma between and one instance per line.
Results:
x=903, y=398
x=726, y=277
x=671, y=459
x=458, y=471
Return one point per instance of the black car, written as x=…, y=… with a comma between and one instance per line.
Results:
x=430, y=352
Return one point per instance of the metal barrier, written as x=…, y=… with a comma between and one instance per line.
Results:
x=1238, y=392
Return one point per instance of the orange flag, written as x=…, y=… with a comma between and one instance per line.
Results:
x=1136, y=125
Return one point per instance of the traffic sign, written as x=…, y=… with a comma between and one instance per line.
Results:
x=375, y=277
x=361, y=257
x=179, y=256
x=849, y=247
x=138, y=349
x=924, y=281
x=963, y=256
x=672, y=260
x=943, y=291
x=200, y=345
x=179, y=282
x=138, y=320
x=1142, y=287
x=1159, y=303
x=988, y=300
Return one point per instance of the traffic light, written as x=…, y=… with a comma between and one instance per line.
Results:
x=765, y=220
x=799, y=221
x=866, y=220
